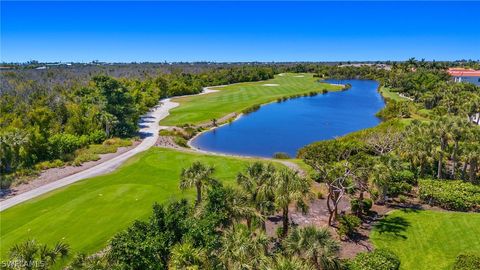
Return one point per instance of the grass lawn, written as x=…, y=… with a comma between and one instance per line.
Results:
x=428, y=239
x=236, y=97
x=387, y=93
x=88, y=213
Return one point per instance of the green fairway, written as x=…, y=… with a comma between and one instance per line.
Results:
x=88, y=213
x=387, y=93
x=428, y=239
x=236, y=97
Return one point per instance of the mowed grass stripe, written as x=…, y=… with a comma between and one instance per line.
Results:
x=88, y=213
x=237, y=97
x=426, y=239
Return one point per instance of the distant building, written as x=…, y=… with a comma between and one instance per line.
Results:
x=465, y=75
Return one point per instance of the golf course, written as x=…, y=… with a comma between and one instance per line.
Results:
x=237, y=97
x=88, y=213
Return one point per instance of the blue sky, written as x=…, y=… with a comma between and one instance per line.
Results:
x=238, y=31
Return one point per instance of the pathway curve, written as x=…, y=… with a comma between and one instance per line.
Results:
x=150, y=127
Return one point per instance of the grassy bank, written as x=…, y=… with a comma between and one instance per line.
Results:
x=238, y=97
x=88, y=213
x=428, y=239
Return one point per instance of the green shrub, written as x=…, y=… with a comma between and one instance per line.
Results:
x=118, y=142
x=97, y=136
x=320, y=195
x=85, y=156
x=395, y=109
x=6, y=181
x=349, y=225
x=49, y=164
x=281, y=155
x=361, y=206
x=62, y=144
x=467, y=262
x=450, y=194
x=380, y=259
x=180, y=141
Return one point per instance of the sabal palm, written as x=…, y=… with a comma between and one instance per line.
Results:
x=315, y=245
x=290, y=188
x=258, y=184
x=243, y=249
x=198, y=175
x=186, y=256
x=33, y=255
x=281, y=262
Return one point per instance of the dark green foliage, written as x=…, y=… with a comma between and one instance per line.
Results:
x=395, y=109
x=467, y=262
x=348, y=225
x=361, y=206
x=379, y=259
x=146, y=245
x=450, y=194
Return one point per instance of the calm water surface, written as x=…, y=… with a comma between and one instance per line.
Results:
x=290, y=125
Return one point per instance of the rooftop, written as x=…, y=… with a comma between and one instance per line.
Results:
x=463, y=72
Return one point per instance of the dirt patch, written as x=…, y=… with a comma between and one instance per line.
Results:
x=54, y=174
x=167, y=142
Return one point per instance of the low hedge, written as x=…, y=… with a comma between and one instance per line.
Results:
x=450, y=194
x=379, y=259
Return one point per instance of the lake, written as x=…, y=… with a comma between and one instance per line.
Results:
x=292, y=124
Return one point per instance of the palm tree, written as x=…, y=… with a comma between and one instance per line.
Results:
x=258, y=185
x=186, y=256
x=32, y=255
x=108, y=120
x=197, y=175
x=441, y=129
x=291, y=188
x=314, y=245
x=243, y=249
x=280, y=262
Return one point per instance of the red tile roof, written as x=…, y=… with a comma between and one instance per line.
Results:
x=463, y=72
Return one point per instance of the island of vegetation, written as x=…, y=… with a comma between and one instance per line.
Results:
x=402, y=195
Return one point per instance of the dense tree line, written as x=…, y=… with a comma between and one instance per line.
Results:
x=41, y=121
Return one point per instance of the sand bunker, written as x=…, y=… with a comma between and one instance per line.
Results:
x=270, y=84
x=299, y=76
x=281, y=74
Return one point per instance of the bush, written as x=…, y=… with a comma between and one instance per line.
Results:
x=380, y=259
x=281, y=155
x=97, y=136
x=467, y=262
x=361, y=206
x=450, y=194
x=349, y=225
x=85, y=156
x=49, y=164
x=62, y=144
x=180, y=141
